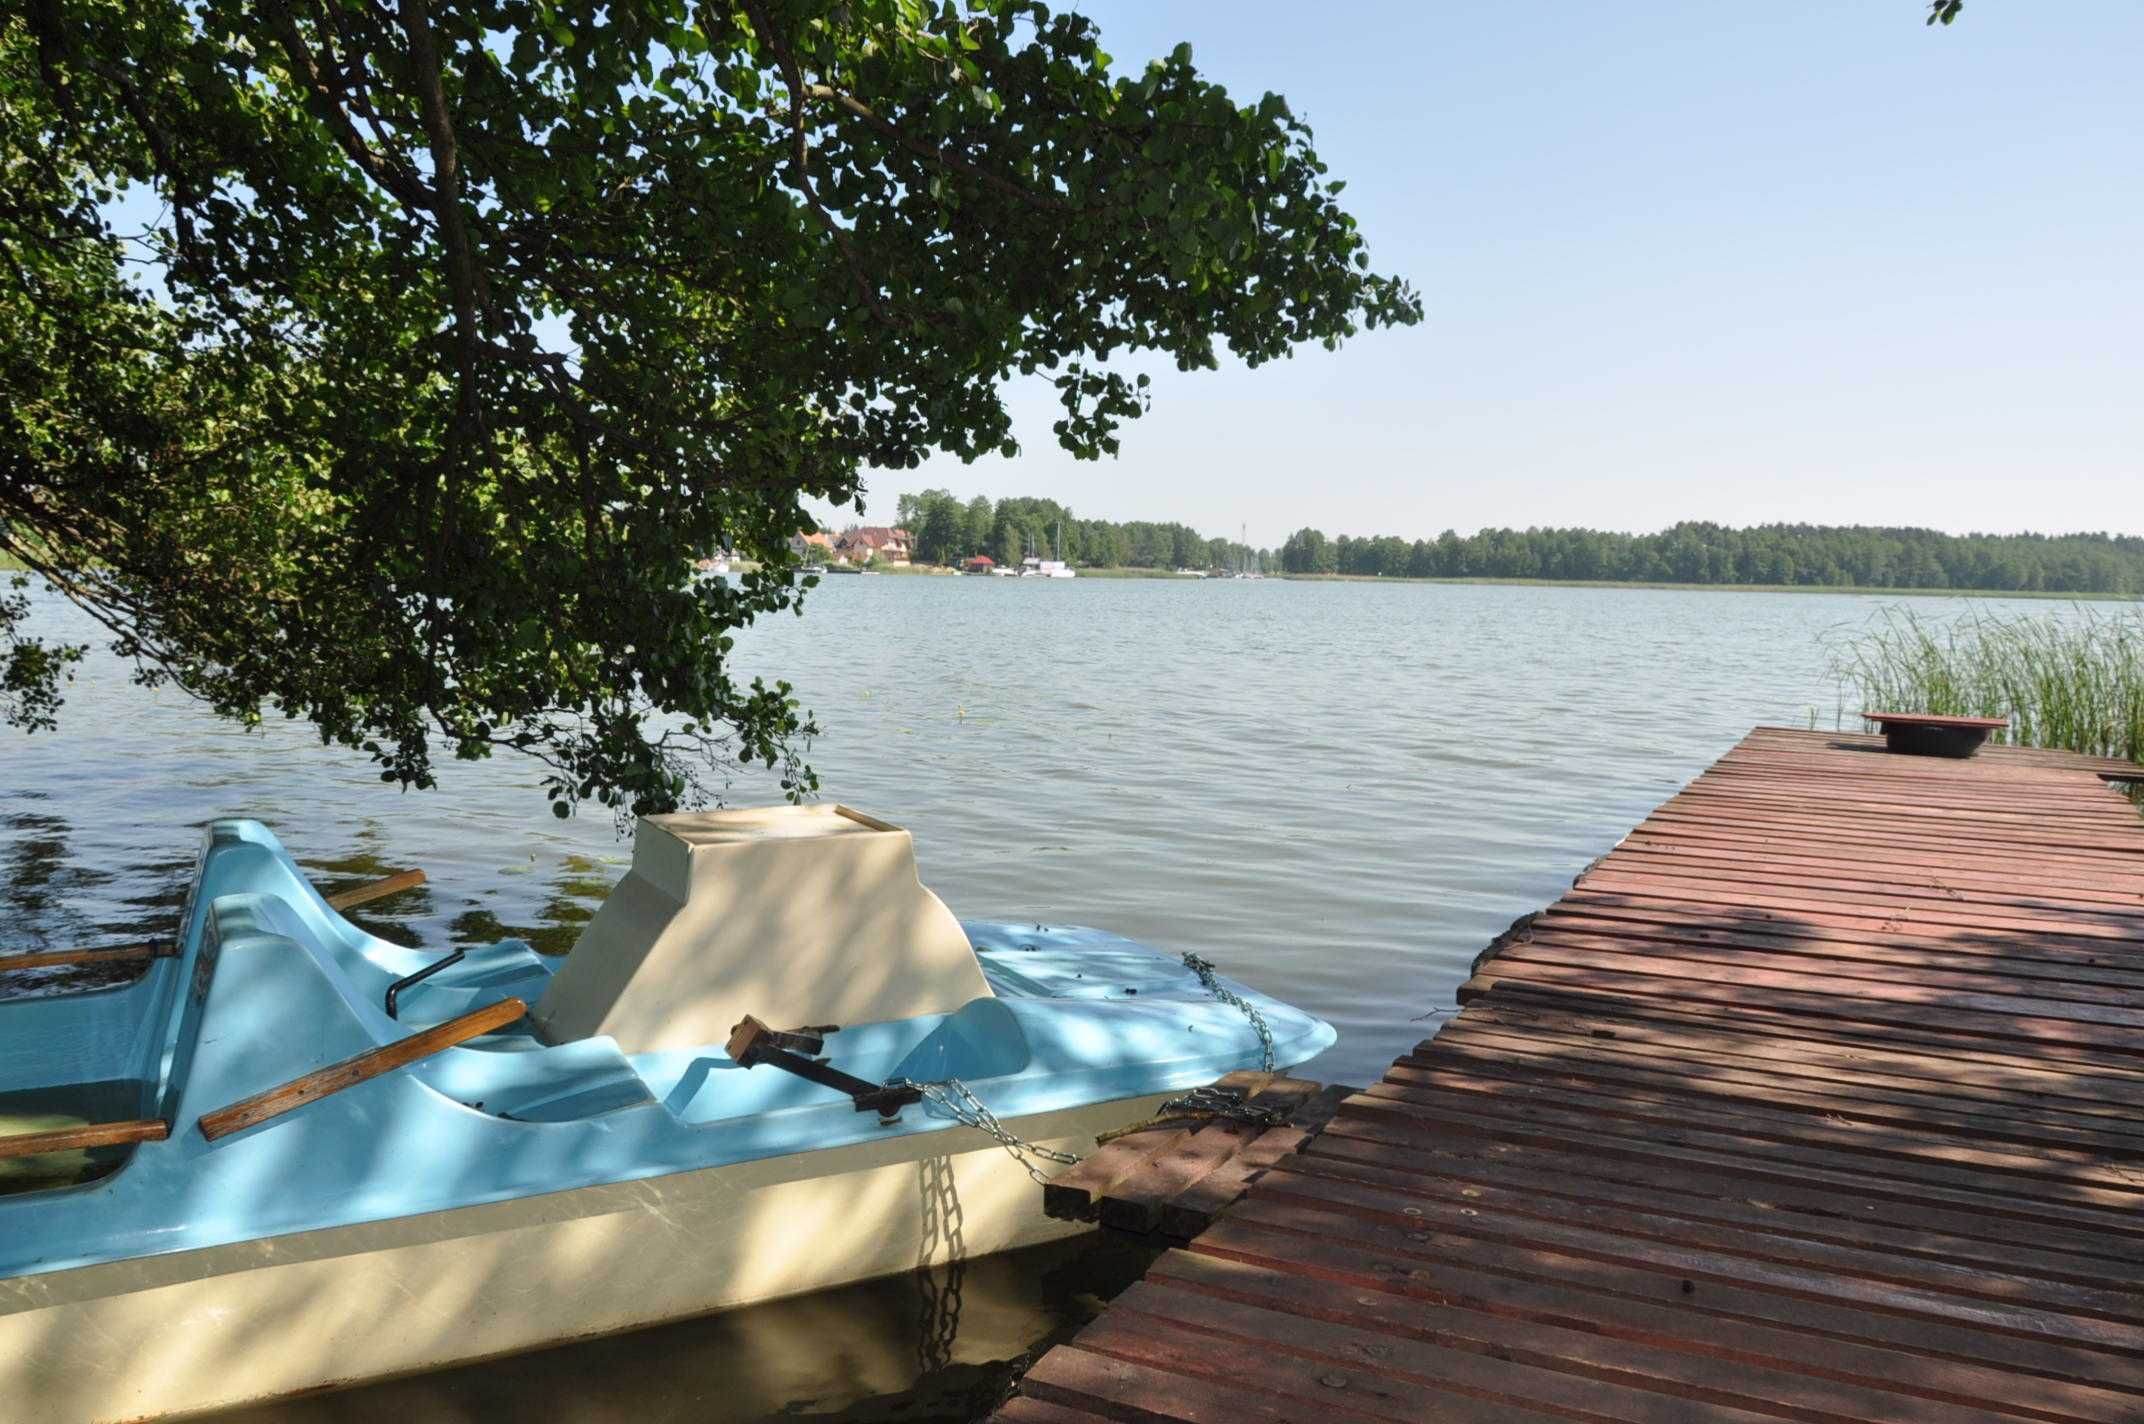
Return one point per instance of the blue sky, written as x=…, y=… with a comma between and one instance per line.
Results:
x=1733, y=261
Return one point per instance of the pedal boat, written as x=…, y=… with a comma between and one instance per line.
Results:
x=597, y=1163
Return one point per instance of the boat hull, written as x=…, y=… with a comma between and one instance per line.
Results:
x=255, y=1320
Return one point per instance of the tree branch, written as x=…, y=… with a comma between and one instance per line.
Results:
x=800, y=157
x=325, y=99
x=463, y=277
x=1048, y=202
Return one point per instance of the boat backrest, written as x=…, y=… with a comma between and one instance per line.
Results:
x=794, y=914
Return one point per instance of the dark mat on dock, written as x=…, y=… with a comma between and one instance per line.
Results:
x=1820, y=1098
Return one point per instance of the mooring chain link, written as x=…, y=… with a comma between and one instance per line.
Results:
x=1229, y=1103
x=961, y=1104
x=1204, y=969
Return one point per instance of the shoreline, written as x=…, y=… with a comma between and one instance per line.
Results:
x=9, y=565
x=1853, y=590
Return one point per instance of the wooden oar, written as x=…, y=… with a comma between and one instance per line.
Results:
x=163, y=948
x=96, y=1134
x=116, y=954
x=370, y=1064
x=376, y=890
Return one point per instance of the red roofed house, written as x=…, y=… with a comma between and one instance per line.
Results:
x=871, y=541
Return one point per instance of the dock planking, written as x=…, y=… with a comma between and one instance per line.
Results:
x=1821, y=1097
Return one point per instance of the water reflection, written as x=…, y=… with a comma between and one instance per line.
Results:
x=933, y=1345
x=939, y=1291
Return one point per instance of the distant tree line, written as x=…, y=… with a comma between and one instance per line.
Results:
x=947, y=529
x=1815, y=555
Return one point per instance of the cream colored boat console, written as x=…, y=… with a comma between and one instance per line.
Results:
x=796, y=914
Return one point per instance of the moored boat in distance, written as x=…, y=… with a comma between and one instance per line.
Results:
x=775, y=1062
x=1035, y=566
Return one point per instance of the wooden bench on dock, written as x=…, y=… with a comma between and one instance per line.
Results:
x=1820, y=1097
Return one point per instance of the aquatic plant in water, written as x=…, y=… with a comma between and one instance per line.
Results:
x=2074, y=682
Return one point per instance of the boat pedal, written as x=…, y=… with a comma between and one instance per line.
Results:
x=752, y=1043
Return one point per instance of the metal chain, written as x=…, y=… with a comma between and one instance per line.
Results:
x=961, y=1104
x=1204, y=969
x=1213, y=1101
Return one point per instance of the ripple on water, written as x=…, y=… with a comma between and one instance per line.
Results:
x=1338, y=792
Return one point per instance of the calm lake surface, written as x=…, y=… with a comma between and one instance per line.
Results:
x=1338, y=792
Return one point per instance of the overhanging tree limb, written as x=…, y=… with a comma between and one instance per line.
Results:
x=495, y=318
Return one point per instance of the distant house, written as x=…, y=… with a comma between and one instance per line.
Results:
x=874, y=541
x=980, y=564
x=813, y=545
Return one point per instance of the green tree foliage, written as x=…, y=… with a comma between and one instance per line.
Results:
x=1007, y=529
x=467, y=324
x=1800, y=554
x=1794, y=554
x=1307, y=551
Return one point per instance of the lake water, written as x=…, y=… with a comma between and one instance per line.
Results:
x=1338, y=792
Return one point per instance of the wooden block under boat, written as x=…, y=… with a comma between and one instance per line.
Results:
x=1174, y=1180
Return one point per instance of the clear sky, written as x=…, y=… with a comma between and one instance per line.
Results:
x=1734, y=261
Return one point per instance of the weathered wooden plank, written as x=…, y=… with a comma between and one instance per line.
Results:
x=1451, y=1387
x=71, y=1139
x=1962, y=970
x=1197, y=1205
x=2019, y=956
x=1878, y=883
x=1816, y=1211
x=1620, y=1372
x=1022, y=1409
x=1969, y=1067
x=1899, y=908
x=1387, y=1272
x=1481, y=1203
x=2047, y=1027
x=1693, y=961
x=1728, y=1090
x=1075, y=1194
x=1890, y=1152
x=250, y=1112
x=1072, y=1376
x=1820, y=1087
x=1457, y=1115
x=1134, y=1202
x=1326, y=1208
x=1818, y=1098
x=1794, y=1018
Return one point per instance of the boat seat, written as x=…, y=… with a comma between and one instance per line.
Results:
x=982, y=1039
x=516, y=1075
x=510, y=1074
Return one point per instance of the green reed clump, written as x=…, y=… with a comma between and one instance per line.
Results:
x=2076, y=682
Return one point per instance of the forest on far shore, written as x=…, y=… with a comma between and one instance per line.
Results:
x=947, y=529
x=1815, y=555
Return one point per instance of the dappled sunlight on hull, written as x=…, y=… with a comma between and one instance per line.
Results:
x=231, y=1324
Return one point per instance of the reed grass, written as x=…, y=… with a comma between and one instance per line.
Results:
x=2075, y=683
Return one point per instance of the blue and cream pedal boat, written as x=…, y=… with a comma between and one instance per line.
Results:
x=774, y=1062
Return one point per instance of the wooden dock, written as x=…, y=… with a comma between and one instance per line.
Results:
x=1820, y=1098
